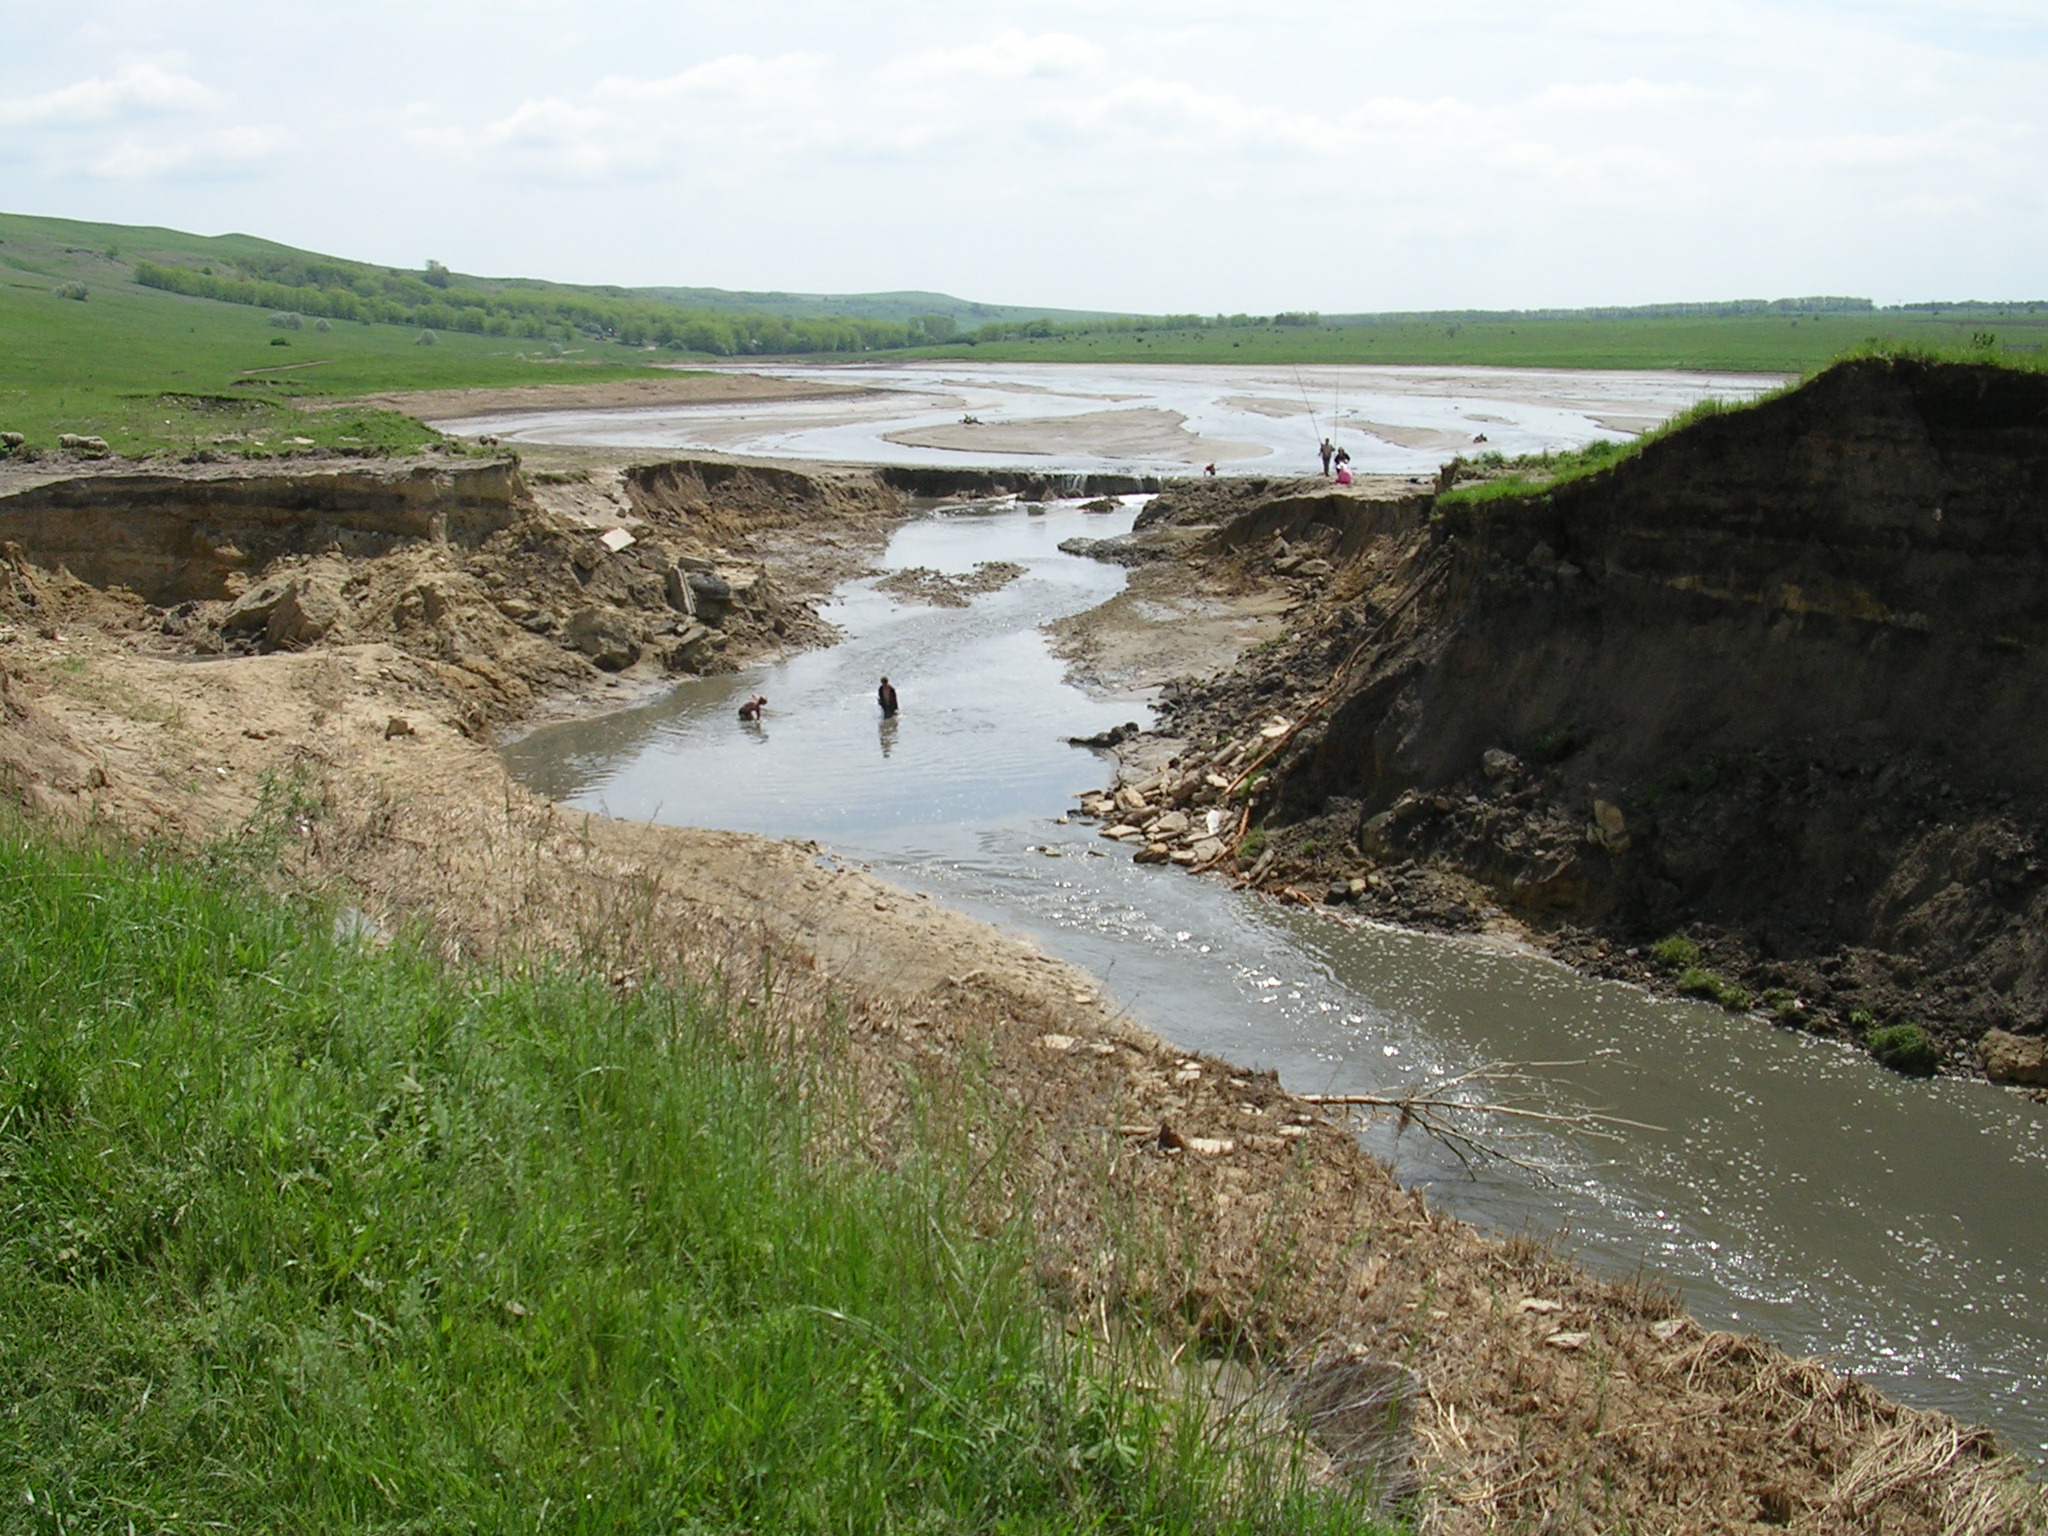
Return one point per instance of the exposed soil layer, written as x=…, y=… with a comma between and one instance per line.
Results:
x=1497, y=1386
x=1777, y=686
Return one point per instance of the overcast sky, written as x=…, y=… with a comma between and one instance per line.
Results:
x=1120, y=154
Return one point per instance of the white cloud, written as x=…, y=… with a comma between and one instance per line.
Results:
x=229, y=151
x=1151, y=154
x=135, y=90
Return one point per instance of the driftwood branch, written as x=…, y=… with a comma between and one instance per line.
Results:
x=1441, y=1110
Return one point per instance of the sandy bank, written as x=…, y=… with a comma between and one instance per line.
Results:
x=1140, y=434
x=663, y=388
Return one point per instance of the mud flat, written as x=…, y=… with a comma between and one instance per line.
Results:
x=306, y=665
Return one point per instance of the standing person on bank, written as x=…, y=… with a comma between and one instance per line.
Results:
x=886, y=697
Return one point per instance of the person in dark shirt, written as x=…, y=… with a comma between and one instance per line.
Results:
x=751, y=710
x=886, y=697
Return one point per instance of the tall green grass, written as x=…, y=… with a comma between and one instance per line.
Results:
x=299, y=1233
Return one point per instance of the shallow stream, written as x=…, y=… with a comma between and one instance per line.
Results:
x=1898, y=1228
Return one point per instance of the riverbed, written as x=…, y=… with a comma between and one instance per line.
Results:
x=1149, y=419
x=1790, y=1186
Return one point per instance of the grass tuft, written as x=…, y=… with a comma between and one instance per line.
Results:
x=1905, y=1048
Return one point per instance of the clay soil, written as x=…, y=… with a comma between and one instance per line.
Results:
x=1488, y=1385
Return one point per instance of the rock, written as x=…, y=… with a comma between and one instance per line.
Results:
x=1357, y=886
x=1120, y=831
x=1209, y=848
x=1316, y=568
x=2010, y=1058
x=1542, y=558
x=1569, y=1341
x=1339, y=892
x=1059, y=1043
x=252, y=610
x=398, y=725
x=1610, y=827
x=1153, y=853
x=607, y=636
x=1496, y=764
x=1116, y=735
x=518, y=610
x=1172, y=824
x=676, y=588
x=1129, y=799
x=1209, y=1146
x=308, y=610
x=616, y=540
x=1275, y=728
x=1182, y=856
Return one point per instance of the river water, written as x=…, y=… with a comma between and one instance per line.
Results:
x=1897, y=1228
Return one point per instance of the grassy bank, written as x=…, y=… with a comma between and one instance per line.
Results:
x=307, y=1233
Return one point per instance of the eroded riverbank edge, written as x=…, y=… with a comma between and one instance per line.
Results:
x=356, y=732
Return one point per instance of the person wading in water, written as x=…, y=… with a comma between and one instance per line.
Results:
x=751, y=710
x=886, y=697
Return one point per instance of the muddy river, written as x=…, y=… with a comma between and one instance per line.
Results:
x=1793, y=1188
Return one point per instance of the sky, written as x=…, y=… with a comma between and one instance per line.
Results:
x=1337, y=155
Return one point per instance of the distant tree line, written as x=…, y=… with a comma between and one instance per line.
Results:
x=436, y=301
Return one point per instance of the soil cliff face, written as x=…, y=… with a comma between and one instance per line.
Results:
x=1783, y=676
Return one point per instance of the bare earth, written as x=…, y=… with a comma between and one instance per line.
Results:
x=1498, y=1385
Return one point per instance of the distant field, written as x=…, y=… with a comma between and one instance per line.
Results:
x=156, y=371
x=1746, y=344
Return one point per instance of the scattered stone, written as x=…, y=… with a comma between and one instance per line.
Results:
x=1669, y=1329
x=1496, y=764
x=1120, y=831
x=1130, y=799
x=396, y=726
x=252, y=610
x=1210, y=1146
x=1275, y=728
x=1569, y=1341
x=616, y=540
x=1061, y=1043
x=1207, y=850
x=1153, y=853
x=1172, y=824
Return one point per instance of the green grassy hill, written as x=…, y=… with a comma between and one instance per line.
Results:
x=150, y=370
